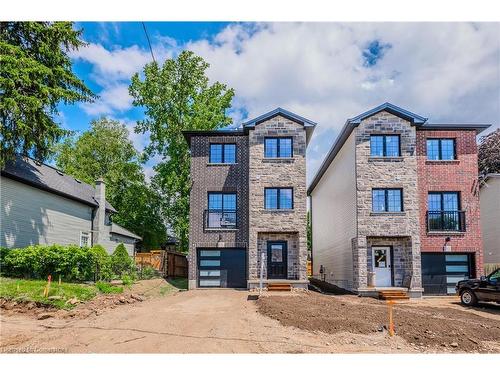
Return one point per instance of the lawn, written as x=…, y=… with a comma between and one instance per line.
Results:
x=32, y=290
x=178, y=282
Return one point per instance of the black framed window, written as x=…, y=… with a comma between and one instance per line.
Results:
x=441, y=149
x=278, y=147
x=384, y=145
x=387, y=200
x=278, y=198
x=444, y=212
x=222, y=153
x=221, y=211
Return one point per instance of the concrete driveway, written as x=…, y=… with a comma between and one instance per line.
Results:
x=199, y=321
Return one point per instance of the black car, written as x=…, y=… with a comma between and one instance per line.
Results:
x=485, y=289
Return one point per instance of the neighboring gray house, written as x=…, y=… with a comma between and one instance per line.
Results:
x=248, y=203
x=490, y=218
x=42, y=205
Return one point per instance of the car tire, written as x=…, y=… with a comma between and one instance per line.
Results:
x=468, y=298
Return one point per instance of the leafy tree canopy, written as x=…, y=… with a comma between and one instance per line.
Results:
x=106, y=151
x=35, y=76
x=177, y=96
x=489, y=153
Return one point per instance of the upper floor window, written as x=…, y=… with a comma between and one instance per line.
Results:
x=222, y=153
x=221, y=211
x=384, y=145
x=387, y=200
x=441, y=149
x=278, y=147
x=444, y=212
x=278, y=198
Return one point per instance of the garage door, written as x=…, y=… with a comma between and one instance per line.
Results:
x=441, y=272
x=222, y=268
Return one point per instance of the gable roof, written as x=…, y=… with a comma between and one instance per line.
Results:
x=279, y=111
x=45, y=177
x=417, y=120
x=391, y=108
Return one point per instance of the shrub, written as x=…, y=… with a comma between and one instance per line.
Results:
x=128, y=280
x=101, y=264
x=3, y=253
x=148, y=272
x=107, y=288
x=121, y=262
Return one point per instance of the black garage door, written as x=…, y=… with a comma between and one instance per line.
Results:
x=441, y=272
x=222, y=268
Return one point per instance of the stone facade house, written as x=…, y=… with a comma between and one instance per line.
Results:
x=248, y=203
x=395, y=205
x=42, y=205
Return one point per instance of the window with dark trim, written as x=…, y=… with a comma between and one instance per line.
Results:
x=221, y=211
x=441, y=149
x=444, y=213
x=384, y=146
x=278, y=198
x=222, y=153
x=387, y=200
x=278, y=147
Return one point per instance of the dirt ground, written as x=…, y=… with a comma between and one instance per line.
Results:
x=233, y=321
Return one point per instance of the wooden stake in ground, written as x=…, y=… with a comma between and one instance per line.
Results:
x=390, y=303
x=59, y=279
x=47, y=288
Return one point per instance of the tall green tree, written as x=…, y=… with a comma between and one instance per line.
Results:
x=35, y=76
x=106, y=151
x=177, y=96
x=489, y=153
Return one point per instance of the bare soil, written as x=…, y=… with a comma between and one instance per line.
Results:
x=234, y=321
x=435, y=325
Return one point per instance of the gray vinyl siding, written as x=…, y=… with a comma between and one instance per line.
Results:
x=112, y=240
x=33, y=216
x=490, y=220
x=333, y=208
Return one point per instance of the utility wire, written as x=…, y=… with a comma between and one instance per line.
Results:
x=149, y=42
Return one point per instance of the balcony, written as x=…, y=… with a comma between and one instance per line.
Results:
x=220, y=219
x=446, y=221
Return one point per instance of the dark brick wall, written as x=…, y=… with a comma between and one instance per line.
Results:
x=458, y=175
x=206, y=178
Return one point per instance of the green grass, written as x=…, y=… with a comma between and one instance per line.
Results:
x=107, y=288
x=32, y=290
x=178, y=282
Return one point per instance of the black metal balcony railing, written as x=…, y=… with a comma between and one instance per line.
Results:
x=220, y=218
x=446, y=221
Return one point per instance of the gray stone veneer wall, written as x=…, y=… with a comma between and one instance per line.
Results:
x=400, y=172
x=206, y=178
x=292, y=240
x=278, y=173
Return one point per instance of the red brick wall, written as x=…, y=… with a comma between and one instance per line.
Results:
x=458, y=175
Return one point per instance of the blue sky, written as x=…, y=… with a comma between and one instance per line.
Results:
x=327, y=72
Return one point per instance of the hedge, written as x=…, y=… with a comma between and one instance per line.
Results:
x=72, y=263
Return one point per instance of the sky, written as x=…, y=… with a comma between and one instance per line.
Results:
x=326, y=72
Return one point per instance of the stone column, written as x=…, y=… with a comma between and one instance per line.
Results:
x=359, y=262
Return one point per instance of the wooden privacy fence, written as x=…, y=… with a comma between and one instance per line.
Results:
x=168, y=263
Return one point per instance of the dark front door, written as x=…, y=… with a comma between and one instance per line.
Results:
x=277, y=260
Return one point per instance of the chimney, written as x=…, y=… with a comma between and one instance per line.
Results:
x=99, y=220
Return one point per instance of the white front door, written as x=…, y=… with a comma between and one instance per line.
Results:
x=382, y=265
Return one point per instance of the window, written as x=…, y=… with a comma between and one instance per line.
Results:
x=278, y=147
x=222, y=153
x=441, y=149
x=278, y=198
x=387, y=200
x=444, y=212
x=85, y=239
x=384, y=145
x=221, y=211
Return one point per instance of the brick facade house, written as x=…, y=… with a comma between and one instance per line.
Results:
x=248, y=203
x=395, y=205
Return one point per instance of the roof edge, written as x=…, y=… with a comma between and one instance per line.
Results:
x=391, y=108
x=279, y=111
